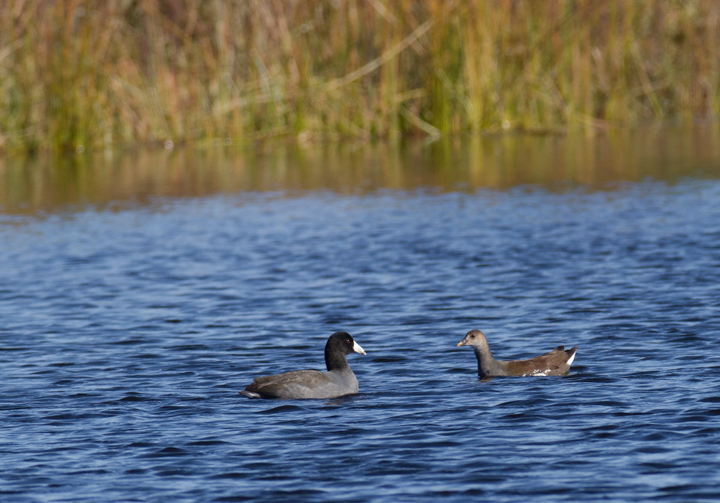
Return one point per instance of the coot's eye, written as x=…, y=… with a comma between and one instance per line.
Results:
x=347, y=340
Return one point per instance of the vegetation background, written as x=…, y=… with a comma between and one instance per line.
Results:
x=78, y=74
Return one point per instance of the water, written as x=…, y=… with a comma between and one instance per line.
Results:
x=129, y=325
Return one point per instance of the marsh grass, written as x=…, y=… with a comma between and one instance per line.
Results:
x=94, y=73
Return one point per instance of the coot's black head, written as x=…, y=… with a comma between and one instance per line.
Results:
x=338, y=345
x=344, y=343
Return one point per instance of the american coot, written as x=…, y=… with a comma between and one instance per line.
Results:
x=337, y=381
x=556, y=362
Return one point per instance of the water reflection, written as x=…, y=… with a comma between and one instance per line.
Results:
x=500, y=162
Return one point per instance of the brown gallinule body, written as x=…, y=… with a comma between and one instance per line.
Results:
x=556, y=362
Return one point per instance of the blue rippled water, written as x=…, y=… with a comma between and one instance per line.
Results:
x=125, y=336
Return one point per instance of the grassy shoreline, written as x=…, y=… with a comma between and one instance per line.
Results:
x=90, y=73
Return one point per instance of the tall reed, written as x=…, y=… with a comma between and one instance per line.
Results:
x=93, y=73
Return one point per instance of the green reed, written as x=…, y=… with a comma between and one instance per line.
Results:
x=98, y=73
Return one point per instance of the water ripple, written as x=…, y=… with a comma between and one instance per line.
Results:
x=127, y=335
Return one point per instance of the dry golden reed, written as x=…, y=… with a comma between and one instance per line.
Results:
x=92, y=73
